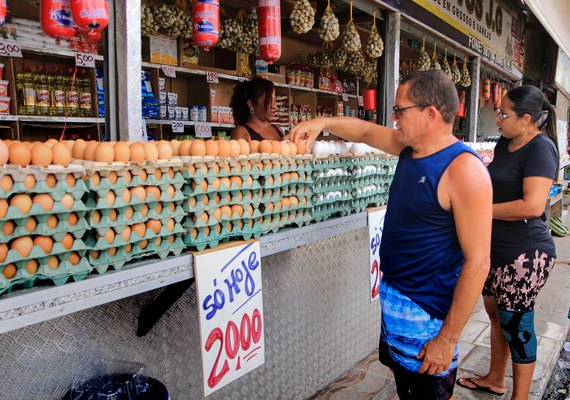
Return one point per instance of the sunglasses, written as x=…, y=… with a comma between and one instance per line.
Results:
x=399, y=110
x=503, y=114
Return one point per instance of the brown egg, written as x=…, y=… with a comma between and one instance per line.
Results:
x=19, y=154
x=67, y=201
x=45, y=242
x=151, y=151
x=112, y=251
x=157, y=174
x=265, y=146
x=139, y=228
x=194, y=233
x=154, y=190
x=137, y=152
x=104, y=153
x=79, y=147
x=44, y=200
x=237, y=209
x=185, y=146
x=170, y=225
x=70, y=180
x=154, y=224
x=143, y=175
x=225, y=149
x=22, y=245
x=6, y=183
x=129, y=212
x=127, y=177
x=95, y=179
x=234, y=148
x=109, y=235
x=8, y=228
x=143, y=244
x=144, y=210
x=9, y=271
x=67, y=241
x=128, y=248
x=276, y=147
x=90, y=150
x=95, y=217
x=236, y=180
x=29, y=182
x=164, y=150
x=110, y=197
x=73, y=258
x=61, y=154
x=51, y=142
x=254, y=146
x=175, y=145
x=284, y=148
x=53, y=262
x=72, y=219
x=122, y=152
x=3, y=252
x=301, y=147
x=244, y=147
x=157, y=241
x=170, y=191
x=138, y=192
x=158, y=208
x=4, y=152
x=126, y=196
x=69, y=144
x=212, y=148
x=23, y=202
x=52, y=221
x=170, y=173
x=126, y=233
x=112, y=177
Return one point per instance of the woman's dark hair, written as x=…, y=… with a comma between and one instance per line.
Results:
x=250, y=90
x=528, y=99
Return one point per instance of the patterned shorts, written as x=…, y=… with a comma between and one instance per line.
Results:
x=516, y=284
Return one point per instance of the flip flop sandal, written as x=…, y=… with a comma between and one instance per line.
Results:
x=477, y=387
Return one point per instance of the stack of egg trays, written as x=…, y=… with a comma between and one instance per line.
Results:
x=64, y=269
x=209, y=218
x=332, y=186
x=119, y=177
x=369, y=173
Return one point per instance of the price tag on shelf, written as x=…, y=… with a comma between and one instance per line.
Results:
x=177, y=126
x=84, y=60
x=212, y=77
x=169, y=71
x=360, y=101
x=344, y=97
x=203, y=130
x=10, y=48
x=242, y=79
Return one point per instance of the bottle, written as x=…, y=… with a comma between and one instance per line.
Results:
x=85, y=96
x=22, y=109
x=42, y=92
x=29, y=92
x=58, y=94
x=71, y=95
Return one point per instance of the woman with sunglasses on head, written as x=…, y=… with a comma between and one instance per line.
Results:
x=253, y=105
x=522, y=250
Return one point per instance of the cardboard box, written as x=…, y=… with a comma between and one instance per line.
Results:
x=161, y=50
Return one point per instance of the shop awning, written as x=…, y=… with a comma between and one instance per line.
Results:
x=554, y=15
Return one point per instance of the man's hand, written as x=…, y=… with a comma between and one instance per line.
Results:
x=307, y=130
x=437, y=355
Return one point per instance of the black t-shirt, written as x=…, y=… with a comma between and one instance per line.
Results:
x=538, y=157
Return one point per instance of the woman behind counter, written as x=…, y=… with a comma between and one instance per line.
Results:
x=253, y=105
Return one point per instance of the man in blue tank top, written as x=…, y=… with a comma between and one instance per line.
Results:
x=435, y=246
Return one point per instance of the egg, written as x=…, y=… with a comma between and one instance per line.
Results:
x=90, y=150
x=212, y=148
x=44, y=200
x=139, y=228
x=265, y=146
x=225, y=183
x=110, y=198
x=301, y=146
x=128, y=248
x=126, y=233
x=175, y=145
x=126, y=196
x=22, y=202
x=186, y=145
x=225, y=149
x=6, y=183
x=235, y=148
x=127, y=176
x=138, y=193
x=52, y=222
x=154, y=191
x=112, y=177
x=164, y=150
x=50, y=181
x=53, y=262
x=170, y=225
x=150, y=152
x=276, y=147
x=95, y=217
x=129, y=212
x=254, y=146
x=237, y=209
x=78, y=151
x=72, y=219
x=158, y=208
x=121, y=152
x=9, y=271
x=143, y=244
x=144, y=210
x=70, y=180
x=154, y=224
x=69, y=144
x=67, y=241
x=19, y=154
x=157, y=241
x=157, y=174
x=51, y=142
x=8, y=228
x=22, y=245
x=73, y=258
x=292, y=148
x=170, y=191
x=142, y=175
x=95, y=179
x=217, y=214
x=3, y=252
x=284, y=150
x=112, y=251
x=61, y=154
x=237, y=181
x=109, y=235
x=226, y=211
x=29, y=182
x=170, y=173
x=45, y=242
x=137, y=152
x=244, y=148
x=104, y=153
x=4, y=152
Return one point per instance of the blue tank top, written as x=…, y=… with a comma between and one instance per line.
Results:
x=420, y=253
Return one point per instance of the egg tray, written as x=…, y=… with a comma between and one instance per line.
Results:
x=194, y=220
x=38, y=253
x=121, y=221
x=375, y=160
x=37, y=210
x=196, y=203
x=233, y=189
x=99, y=203
x=213, y=239
x=325, y=186
x=18, y=173
x=364, y=195
x=102, y=244
x=61, y=189
x=279, y=209
x=296, y=189
x=372, y=201
x=150, y=180
x=200, y=208
x=57, y=234
x=122, y=257
x=104, y=169
x=299, y=220
x=58, y=277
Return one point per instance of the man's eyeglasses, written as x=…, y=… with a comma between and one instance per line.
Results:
x=503, y=114
x=399, y=110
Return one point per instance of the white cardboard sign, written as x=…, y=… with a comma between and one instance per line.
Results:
x=375, y=228
x=230, y=304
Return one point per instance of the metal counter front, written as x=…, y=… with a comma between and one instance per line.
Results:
x=318, y=318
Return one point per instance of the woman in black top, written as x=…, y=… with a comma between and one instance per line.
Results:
x=522, y=250
x=253, y=105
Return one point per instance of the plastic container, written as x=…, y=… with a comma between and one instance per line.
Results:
x=1, y=71
x=5, y=105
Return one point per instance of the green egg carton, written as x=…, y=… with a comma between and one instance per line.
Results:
x=61, y=188
x=36, y=210
x=63, y=227
x=37, y=252
x=101, y=243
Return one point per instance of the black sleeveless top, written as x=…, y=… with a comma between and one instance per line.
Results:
x=256, y=136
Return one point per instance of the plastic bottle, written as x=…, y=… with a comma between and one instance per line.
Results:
x=85, y=96
x=71, y=95
x=58, y=94
x=42, y=92
x=29, y=92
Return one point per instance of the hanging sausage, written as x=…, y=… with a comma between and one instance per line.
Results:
x=2, y=12
x=269, y=15
x=495, y=94
x=206, y=23
x=90, y=15
x=486, y=89
x=56, y=20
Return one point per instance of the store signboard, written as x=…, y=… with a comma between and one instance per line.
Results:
x=562, y=73
x=375, y=228
x=485, y=26
x=230, y=304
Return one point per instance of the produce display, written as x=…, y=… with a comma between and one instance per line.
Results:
x=329, y=27
x=435, y=65
x=302, y=17
x=71, y=208
x=446, y=67
x=351, y=38
x=375, y=45
x=424, y=63
x=465, y=80
x=455, y=72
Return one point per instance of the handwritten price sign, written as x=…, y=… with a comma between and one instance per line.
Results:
x=231, y=313
x=203, y=130
x=9, y=48
x=375, y=228
x=177, y=126
x=344, y=97
x=360, y=101
x=84, y=60
x=168, y=71
x=212, y=77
